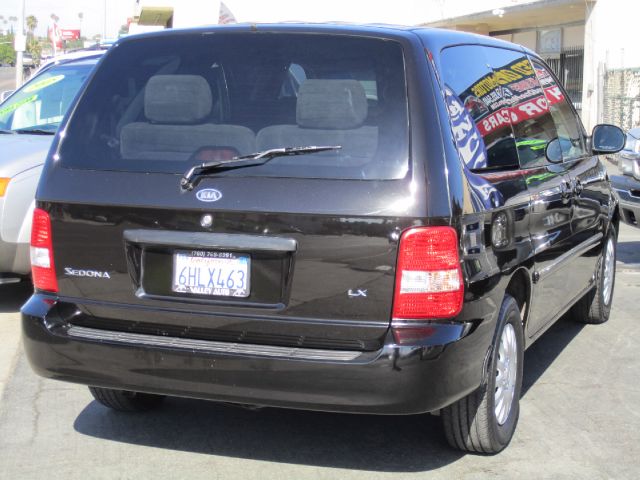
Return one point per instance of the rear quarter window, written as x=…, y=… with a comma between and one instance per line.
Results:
x=478, y=110
x=501, y=115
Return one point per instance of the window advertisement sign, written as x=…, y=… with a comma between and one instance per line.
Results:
x=511, y=94
x=500, y=107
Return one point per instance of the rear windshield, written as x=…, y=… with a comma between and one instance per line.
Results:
x=164, y=104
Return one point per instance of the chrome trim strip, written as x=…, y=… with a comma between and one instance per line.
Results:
x=8, y=280
x=411, y=323
x=208, y=346
x=561, y=261
x=195, y=240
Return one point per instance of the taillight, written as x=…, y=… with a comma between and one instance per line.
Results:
x=429, y=281
x=43, y=269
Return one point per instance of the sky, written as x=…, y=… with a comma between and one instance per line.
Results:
x=116, y=11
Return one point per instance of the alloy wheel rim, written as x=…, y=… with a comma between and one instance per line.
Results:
x=609, y=271
x=506, y=373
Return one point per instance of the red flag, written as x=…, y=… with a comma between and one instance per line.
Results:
x=226, y=16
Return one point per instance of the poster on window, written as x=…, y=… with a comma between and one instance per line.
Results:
x=510, y=94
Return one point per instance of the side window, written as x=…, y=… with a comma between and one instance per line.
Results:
x=567, y=126
x=531, y=120
x=477, y=110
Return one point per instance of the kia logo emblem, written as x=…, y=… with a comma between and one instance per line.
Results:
x=208, y=195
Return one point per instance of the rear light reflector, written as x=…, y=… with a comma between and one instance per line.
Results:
x=42, y=267
x=429, y=282
x=4, y=183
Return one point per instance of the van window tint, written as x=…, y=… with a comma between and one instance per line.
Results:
x=164, y=103
x=43, y=101
x=478, y=111
x=531, y=119
x=567, y=126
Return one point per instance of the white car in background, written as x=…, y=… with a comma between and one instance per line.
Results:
x=29, y=119
x=627, y=185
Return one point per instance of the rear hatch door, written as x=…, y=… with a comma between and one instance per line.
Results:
x=299, y=251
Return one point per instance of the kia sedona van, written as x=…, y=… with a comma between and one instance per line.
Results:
x=354, y=219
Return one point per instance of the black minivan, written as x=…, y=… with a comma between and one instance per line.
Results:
x=351, y=219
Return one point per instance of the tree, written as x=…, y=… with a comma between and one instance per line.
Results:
x=33, y=44
x=7, y=54
x=32, y=24
x=35, y=49
x=71, y=45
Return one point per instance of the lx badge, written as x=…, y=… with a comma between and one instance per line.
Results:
x=357, y=293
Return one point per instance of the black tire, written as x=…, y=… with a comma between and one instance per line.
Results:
x=125, y=401
x=471, y=424
x=594, y=308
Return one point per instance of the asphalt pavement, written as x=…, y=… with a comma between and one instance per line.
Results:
x=7, y=78
x=580, y=418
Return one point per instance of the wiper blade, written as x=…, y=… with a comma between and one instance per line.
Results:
x=189, y=179
x=8, y=132
x=35, y=131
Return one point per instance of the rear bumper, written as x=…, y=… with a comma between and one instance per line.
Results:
x=393, y=380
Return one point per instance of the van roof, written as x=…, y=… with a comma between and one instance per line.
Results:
x=434, y=38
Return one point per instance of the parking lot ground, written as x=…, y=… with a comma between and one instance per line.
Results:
x=7, y=78
x=580, y=418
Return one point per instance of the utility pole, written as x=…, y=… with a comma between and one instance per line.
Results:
x=104, y=30
x=20, y=45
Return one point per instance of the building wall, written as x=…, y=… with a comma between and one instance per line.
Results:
x=527, y=39
x=610, y=43
x=573, y=36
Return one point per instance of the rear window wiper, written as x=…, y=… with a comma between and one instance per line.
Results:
x=35, y=131
x=188, y=180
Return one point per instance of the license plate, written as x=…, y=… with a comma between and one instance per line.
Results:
x=222, y=274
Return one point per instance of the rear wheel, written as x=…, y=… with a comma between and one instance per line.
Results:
x=126, y=401
x=595, y=306
x=485, y=420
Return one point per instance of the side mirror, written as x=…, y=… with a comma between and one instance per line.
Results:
x=553, y=151
x=607, y=139
x=6, y=94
